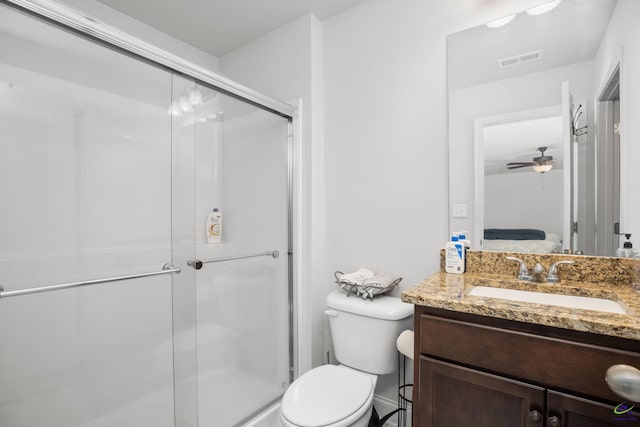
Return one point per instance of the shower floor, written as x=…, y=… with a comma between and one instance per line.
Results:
x=225, y=398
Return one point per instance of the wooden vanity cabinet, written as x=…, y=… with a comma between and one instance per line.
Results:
x=477, y=371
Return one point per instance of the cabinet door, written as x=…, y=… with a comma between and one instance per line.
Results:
x=454, y=396
x=572, y=411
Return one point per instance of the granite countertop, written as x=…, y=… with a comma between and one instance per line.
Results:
x=450, y=292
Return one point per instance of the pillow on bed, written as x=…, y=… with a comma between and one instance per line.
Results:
x=526, y=246
x=513, y=234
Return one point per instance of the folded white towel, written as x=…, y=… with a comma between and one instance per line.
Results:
x=383, y=280
x=365, y=283
x=357, y=277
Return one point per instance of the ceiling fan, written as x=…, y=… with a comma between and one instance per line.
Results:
x=540, y=164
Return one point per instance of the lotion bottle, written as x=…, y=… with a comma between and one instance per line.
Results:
x=454, y=256
x=214, y=226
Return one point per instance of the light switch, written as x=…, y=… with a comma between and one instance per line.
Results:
x=459, y=211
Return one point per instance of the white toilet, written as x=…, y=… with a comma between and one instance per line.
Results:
x=364, y=336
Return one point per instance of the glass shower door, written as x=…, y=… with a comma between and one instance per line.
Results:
x=242, y=286
x=85, y=194
x=109, y=167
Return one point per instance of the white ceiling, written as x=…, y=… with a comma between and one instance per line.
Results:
x=571, y=33
x=220, y=26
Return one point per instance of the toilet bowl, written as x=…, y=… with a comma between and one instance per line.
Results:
x=329, y=396
x=364, y=334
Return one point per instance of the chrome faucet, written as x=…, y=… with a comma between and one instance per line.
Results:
x=538, y=271
x=553, y=277
x=523, y=273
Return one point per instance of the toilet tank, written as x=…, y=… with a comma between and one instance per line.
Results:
x=364, y=332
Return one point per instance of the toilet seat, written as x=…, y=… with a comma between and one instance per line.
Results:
x=328, y=395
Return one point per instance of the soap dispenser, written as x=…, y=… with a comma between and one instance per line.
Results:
x=626, y=251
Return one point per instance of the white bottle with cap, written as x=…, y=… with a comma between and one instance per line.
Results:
x=214, y=226
x=454, y=256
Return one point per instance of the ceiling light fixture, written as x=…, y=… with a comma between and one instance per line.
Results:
x=542, y=168
x=543, y=8
x=500, y=22
x=195, y=96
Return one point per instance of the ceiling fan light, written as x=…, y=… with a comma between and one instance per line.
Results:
x=543, y=8
x=500, y=22
x=541, y=168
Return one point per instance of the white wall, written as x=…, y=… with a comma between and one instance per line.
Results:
x=524, y=200
x=623, y=34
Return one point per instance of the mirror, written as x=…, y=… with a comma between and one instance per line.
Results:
x=559, y=81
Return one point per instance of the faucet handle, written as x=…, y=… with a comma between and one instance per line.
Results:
x=553, y=271
x=523, y=273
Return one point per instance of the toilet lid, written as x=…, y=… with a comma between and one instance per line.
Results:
x=326, y=395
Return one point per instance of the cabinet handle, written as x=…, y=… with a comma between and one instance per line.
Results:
x=624, y=380
x=554, y=422
x=535, y=416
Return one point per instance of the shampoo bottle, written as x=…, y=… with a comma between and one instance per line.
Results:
x=214, y=226
x=454, y=256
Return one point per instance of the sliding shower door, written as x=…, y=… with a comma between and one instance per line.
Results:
x=239, y=159
x=85, y=195
x=115, y=310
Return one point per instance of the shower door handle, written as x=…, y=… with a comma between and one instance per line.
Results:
x=197, y=263
x=166, y=269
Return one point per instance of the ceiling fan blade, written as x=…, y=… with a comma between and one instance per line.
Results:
x=521, y=163
x=516, y=165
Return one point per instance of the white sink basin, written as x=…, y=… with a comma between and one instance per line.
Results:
x=571, y=301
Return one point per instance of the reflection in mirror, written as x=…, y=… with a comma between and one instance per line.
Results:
x=506, y=84
x=535, y=178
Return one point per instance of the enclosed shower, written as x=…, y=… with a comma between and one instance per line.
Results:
x=114, y=308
